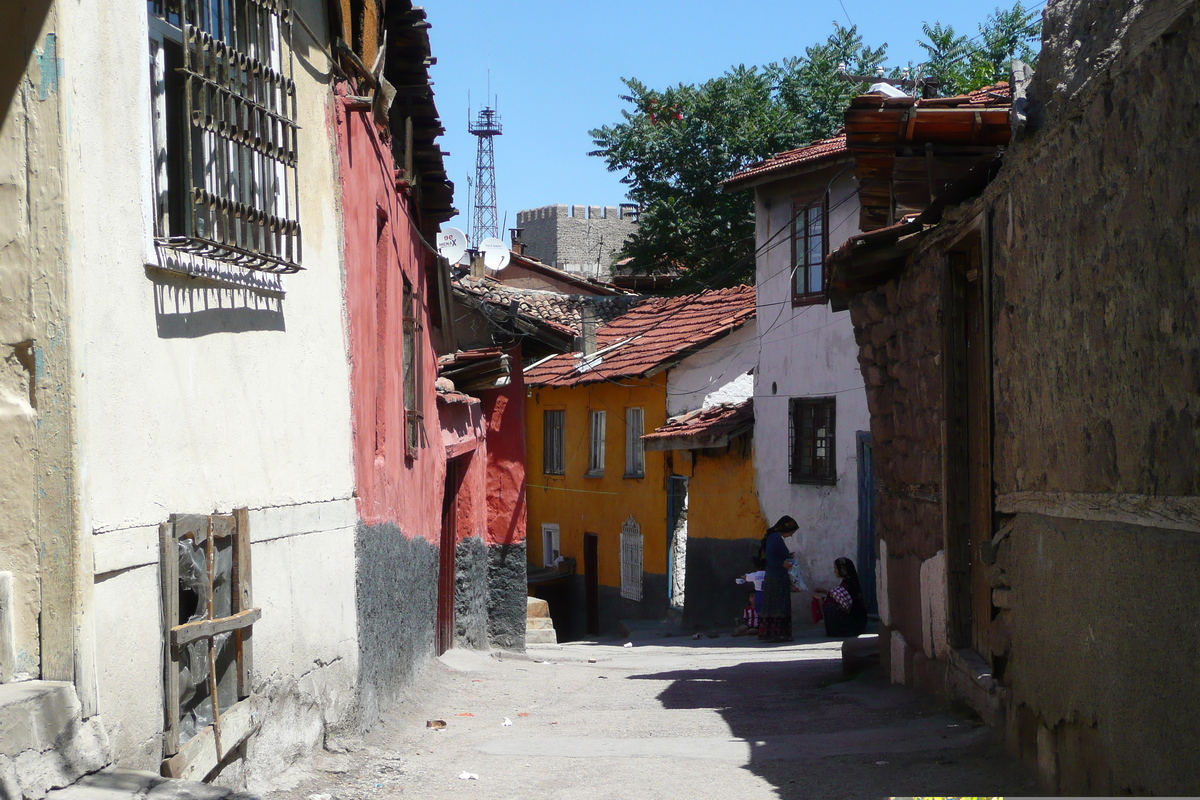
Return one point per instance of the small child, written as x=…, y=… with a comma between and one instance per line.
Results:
x=749, y=624
x=757, y=579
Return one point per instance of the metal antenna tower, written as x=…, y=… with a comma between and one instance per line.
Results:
x=486, y=125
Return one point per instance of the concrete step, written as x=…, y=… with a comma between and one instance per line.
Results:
x=539, y=624
x=44, y=740
x=536, y=607
x=130, y=784
x=540, y=636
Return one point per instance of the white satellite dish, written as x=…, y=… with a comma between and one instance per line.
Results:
x=452, y=244
x=495, y=253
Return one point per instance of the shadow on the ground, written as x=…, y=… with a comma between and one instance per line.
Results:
x=811, y=733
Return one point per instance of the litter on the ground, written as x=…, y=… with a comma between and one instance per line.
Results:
x=522, y=713
x=436, y=724
x=465, y=714
x=628, y=644
x=507, y=723
x=467, y=776
x=695, y=636
x=591, y=661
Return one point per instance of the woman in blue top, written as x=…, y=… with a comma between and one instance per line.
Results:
x=775, y=622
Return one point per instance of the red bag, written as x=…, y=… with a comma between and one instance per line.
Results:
x=816, y=610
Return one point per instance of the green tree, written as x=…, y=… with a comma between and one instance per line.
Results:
x=677, y=145
x=963, y=65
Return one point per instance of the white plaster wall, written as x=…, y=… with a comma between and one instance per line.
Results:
x=715, y=370
x=806, y=351
x=255, y=417
x=305, y=646
x=239, y=416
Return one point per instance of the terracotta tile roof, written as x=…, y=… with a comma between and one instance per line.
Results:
x=817, y=151
x=706, y=427
x=564, y=312
x=657, y=331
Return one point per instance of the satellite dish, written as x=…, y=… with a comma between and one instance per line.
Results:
x=452, y=244
x=495, y=253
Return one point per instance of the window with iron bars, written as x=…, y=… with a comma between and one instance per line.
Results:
x=812, y=442
x=224, y=107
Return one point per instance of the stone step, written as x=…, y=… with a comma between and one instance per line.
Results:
x=536, y=607
x=129, y=784
x=541, y=636
x=539, y=624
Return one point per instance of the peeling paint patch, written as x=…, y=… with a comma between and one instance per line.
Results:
x=49, y=66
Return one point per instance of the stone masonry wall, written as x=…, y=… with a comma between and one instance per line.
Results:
x=1096, y=231
x=577, y=238
x=900, y=345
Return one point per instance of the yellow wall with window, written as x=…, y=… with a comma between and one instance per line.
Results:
x=579, y=503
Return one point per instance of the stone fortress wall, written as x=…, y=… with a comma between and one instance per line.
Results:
x=579, y=239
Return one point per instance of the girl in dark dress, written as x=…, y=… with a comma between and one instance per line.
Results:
x=844, y=608
x=775, y=622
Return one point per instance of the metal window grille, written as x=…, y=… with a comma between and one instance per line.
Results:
x=631, y=560
x=812, y=454
x=235, y=182
x=809, y=234
x=553, y=450
x=635, y=448
x=596, y=451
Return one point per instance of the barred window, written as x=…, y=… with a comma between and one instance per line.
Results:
x=596, y=450
x=553, y=449
x=635, y=448
x=812, y=443
x=631, y=560
x=224, y=106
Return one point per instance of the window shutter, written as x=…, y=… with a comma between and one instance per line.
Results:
x=631, y=560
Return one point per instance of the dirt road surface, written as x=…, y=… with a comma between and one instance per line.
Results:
x=673, y=718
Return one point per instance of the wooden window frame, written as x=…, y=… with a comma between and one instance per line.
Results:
x=802, y=267
x=412, y=368
x=799, y=441
x=551, y=543
x=635, y=448
x=598, y=431
x=197, y=757
x=554, y=453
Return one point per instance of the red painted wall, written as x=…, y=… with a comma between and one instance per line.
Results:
x=382, y=248
x=461, y=424
x=504, y=417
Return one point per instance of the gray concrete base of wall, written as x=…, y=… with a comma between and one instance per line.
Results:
x=712, y=596
x=471, y=594
x=45, y=743
x=396, y=595
x=507, y=590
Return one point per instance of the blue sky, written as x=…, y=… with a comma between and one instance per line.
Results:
x=556, y=67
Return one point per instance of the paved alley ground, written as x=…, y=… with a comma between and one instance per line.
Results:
x=667, y=718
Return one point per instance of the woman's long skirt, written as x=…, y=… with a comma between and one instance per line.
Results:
x=775, y=622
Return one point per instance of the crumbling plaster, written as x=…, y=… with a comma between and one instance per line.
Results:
x=806, y=351
x=37, y=534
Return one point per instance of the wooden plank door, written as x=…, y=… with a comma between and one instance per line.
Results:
x=446, y=564
x=979, y=456
x=591, y=581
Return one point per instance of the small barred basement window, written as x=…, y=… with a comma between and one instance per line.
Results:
x=207, y=619
x=224, y=126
